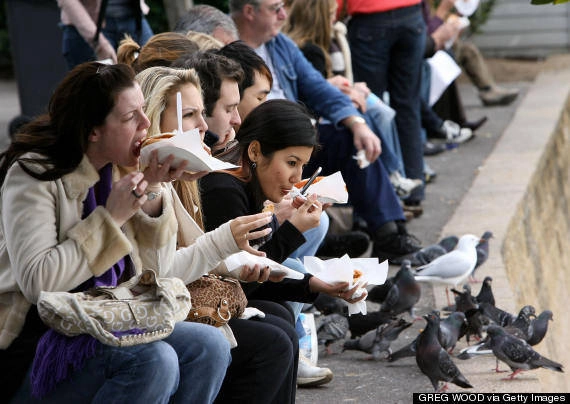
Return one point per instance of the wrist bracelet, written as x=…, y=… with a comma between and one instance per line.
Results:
x=150, y=196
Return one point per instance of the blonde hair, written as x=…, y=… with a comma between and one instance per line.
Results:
x=309, y=21
x=160, y=50
x=204, y=41
x=158, y=84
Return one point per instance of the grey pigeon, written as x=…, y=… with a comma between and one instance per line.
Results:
x=404, y=293
x=377, y=341
x=482, y=252
x=486, y=292
x=359, y=324
x=434, y=361
x=449, y=331
x=452, y=268
x=521, y=327
x=539, y=327
x=474, y=320
x=496, y=315
x=423, y=256
x=449, y=242
x=331, y=328
x=517, y=353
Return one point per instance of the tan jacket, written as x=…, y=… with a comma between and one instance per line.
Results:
x=83, y=14
x=45, y=245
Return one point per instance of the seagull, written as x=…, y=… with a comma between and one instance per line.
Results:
x=451, y=268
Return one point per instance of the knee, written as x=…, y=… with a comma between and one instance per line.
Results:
x=157, y=365
x=211, y=345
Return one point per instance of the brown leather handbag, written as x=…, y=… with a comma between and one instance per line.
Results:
x=215, y=300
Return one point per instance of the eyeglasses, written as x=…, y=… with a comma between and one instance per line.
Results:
x=276, y=8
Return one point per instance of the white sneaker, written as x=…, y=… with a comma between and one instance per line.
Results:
x=455, y=133
x=309, y=375
x=403, y=186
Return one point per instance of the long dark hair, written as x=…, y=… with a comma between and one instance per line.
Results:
x=276, y=125
x=80, y=103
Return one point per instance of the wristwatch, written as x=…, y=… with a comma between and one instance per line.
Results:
x=354, y=119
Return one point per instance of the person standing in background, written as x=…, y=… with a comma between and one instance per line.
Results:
x=92, y=29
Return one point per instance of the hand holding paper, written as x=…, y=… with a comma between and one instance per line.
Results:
x=238, y=260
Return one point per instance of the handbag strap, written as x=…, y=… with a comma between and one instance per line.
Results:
x=100, y=19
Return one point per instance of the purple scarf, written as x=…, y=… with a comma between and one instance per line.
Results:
x=57, y=354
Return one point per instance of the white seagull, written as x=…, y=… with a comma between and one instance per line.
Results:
x=451, y=268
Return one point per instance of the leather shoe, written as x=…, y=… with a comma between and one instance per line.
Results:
x=431, y=149
x=353, y=243
x=474, y=125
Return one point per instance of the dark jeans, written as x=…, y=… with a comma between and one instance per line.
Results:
x=387, y=52
x=264, y=364
x=370, y=191
x=77, y=51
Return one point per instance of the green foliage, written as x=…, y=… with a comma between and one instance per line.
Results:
x=157, y=16
x=541, y=2
x=5, y=54
x=481, y=15
x=220, y=4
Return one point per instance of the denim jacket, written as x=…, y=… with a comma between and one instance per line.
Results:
x=301, y=82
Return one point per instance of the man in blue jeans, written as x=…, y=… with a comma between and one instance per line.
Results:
x=387, y=41
x=342, y=134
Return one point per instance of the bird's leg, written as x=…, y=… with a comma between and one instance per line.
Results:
x=497, y=368
x=328, y=350
x=472, y=279
x=443, y=388
x=447, y=294
x=512, y=375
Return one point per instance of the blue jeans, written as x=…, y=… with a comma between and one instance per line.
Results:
x=387, y=52
x=314, y=237
x=187, y=367
x=380, y=118
x=76, y=50
x=369, y=190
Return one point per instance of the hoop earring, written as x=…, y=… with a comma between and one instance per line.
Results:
x=253, y=165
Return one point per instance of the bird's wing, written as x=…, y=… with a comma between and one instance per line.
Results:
x=449, y=265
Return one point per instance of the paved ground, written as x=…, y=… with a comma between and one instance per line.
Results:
x=357, y=379
x=360, y=380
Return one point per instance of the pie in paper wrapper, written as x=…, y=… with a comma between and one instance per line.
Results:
x=330, y=189
x=186, y=146
x=238, y=260
x=355, y=271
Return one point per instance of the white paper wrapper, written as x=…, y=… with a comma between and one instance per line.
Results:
x=342, y=270
x=361, y=159
x=238, y=260
x=466, y=7
x=186, y=146
x=330, y=189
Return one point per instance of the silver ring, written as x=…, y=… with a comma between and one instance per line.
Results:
x=134, y=192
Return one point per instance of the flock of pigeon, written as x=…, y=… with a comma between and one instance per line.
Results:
x=451, y=262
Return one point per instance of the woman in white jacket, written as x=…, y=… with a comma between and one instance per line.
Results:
x=71, y=219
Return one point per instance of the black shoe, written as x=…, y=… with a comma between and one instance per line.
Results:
x=474, y=125
x=395, y=244
x=431, y=149
x=354, y=243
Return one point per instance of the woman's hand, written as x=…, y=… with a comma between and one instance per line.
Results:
x=308, y=215
x=156, y=172
x=339, y=289
x=126, y=197
x=258, y=274
x=244, y=229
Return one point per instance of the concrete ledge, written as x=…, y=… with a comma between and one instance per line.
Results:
x=522, y=194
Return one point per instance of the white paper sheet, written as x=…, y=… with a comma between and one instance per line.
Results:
x=443, y=71
x=238, y=260
x=466, y=7
x=330, y=189
x=186, y=146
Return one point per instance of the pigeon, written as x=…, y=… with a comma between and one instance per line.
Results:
x=539, y=327
x=486, y=292
x=449, y=330
x=521, y=327
x=464, y=301
x=517, y=353
x=377, y=341
x=360, y=324
x=404, y=293
x=331, y=328
x=327, y=305
x=449, y=242
x=423, y=256
x=434, y=361
x=482, y=252
x=496, y=315
x=452, y=268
